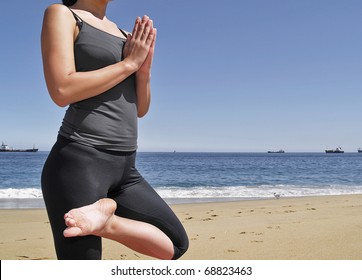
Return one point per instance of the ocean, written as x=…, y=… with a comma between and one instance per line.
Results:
x=205, y=177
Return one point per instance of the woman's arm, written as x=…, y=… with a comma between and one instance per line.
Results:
x=143, y=90
x=67, y=86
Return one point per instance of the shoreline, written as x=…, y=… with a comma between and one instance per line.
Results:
x=302, y=228
x=38, y=203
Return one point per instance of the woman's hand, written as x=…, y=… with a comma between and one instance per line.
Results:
x=138, y=52
x=145, y=68
x=139, y=47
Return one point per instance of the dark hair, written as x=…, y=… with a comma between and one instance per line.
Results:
x=69, y=2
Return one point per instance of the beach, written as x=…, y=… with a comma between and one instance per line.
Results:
x=304, y=228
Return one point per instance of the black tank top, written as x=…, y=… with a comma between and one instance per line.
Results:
x=109, y=120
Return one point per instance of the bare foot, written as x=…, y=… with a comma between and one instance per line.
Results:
x=89, y=220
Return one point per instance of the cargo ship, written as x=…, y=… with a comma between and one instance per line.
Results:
x=6, y=148
x=276, y=152
x=336, y=151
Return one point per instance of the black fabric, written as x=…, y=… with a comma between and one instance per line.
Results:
x=76, y=175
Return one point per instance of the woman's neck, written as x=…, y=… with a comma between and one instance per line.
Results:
x=96, y=7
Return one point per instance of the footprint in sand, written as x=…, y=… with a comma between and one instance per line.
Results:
x=257, y=241
x=232, y=251
x=290, y=211
x=21, y=239
x=243, y=232
x=259, y=233
x=23, y=257
x=212, y=237
x=207, y=219
x=189, y=218
x=311, y=209
x=214, y=215
x=353, y=206
x=194, y=238
x=270, y=227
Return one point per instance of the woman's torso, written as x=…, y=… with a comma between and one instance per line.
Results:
x=109, y=120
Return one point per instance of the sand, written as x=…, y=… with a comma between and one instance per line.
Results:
x=308, y=228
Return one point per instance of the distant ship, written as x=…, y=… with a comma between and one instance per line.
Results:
x=359, y=150
x=6, y=148
x=276, y=152
x=336, y=151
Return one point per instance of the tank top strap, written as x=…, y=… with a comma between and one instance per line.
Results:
x=78, y=20
x=123, y=32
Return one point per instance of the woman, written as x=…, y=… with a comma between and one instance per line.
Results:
x=90, y=184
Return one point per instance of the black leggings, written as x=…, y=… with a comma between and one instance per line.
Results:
x=76, y=175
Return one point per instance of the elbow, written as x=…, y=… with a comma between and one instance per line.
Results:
x=61, y=104
x=142, y=111
x=59, y=97
x=141, y=114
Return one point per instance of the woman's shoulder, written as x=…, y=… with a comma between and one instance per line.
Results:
x=58, y=11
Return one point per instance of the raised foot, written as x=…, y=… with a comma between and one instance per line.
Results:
x=92, y=219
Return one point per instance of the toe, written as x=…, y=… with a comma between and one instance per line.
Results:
x=70, y=222
x=67, y=215
x=72, y=232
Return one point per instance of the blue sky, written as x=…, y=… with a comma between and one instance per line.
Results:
x=231, y=75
